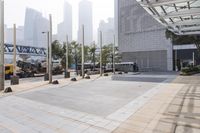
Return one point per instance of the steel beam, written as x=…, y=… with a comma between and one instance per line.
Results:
x=163, y=2
x=191, y=12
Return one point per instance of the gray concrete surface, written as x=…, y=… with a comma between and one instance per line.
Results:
x=87, y=106
x=100, y=97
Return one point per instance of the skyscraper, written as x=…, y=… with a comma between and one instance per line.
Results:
x=65, y=28
x=86, y=19
x=19, y=35
x=107, y=29
x=34, y=25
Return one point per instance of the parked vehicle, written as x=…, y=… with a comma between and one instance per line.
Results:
x=8, y=71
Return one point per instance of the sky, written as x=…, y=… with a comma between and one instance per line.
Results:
x=15, y=11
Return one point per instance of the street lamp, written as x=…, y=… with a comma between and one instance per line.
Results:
x=67, y=73
x=82, y=50
x=2, y=75
x=101, y=53
x=50, y=48
x=46, y=77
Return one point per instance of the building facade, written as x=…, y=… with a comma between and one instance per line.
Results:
x=141, y=38
x=65, y=28
x=86, y=19
x=107, y=28
x=19, y=35
x=34, y=25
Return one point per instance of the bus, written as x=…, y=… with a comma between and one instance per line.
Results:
x=123, y=66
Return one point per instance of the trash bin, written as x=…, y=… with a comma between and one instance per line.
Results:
x=14, y=80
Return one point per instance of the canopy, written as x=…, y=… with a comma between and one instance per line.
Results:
x=180, y=16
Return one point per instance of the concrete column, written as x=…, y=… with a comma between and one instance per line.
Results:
x=82, y=68
x=176, y=63
x=14, y=49
x=47, y=60
x=2, y=69
x=50, y=48
x=67, y=53
x=101, y=53
x=114, y=54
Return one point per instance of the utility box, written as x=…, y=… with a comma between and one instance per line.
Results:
x=46, y=77
x=67, y=74
x=14, y=80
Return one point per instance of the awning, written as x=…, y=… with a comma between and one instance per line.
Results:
x=180, y=16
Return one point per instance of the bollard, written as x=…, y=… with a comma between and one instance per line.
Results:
x=55, y=82
x=8, y=90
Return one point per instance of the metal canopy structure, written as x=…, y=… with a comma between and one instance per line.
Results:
x=180, y=16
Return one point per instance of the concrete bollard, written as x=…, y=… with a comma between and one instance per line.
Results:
x=8, y=90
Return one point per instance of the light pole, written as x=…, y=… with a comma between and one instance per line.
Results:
x=101, y=53
x=47, y=58
x=67, y=74
x=50, y=48
x=83, y=73
x=2, y=75
x=114, y=54
x=14, y=49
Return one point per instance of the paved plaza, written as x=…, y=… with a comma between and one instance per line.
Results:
x=144, y=103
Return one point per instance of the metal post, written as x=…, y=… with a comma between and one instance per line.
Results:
x=14, y=49
x=114, y=55
x=100, y=53
x=50, y=49
x=2, y=75
x=83, y=73
x=67, y=59
x=176, y=63
x=193, y=56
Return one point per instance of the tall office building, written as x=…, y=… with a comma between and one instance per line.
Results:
x=86, y=19
x=141, y=38
x=107, y=29
x=34, y=25
x=19, y=35
x=65, y=28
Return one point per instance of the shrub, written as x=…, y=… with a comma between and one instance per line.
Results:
x=186, y=70
x=191, y=69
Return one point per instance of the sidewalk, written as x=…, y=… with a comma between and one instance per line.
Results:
x=174, y=109
x=35, y=85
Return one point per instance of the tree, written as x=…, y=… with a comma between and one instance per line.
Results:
x=106, y=54
x=70, y=58
x=92, y=51
x=75, y=54
x=57, y=50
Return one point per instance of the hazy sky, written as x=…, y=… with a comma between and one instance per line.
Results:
x=15, y=11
